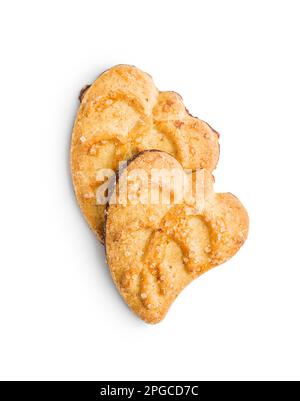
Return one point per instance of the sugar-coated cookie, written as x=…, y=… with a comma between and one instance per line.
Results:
x=154, y=250
x=121, y=114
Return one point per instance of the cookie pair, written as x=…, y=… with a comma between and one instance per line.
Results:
x=154, y=247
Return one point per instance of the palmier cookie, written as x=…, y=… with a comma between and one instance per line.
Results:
x=121, y=114
x=155, y=250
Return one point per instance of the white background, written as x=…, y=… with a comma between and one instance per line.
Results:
x=236, y=64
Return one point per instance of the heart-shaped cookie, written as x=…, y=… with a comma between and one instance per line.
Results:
x=155, y=248
x=122, y=114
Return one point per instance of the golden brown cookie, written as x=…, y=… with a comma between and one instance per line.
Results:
x=155, y=250
x=122, y=113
